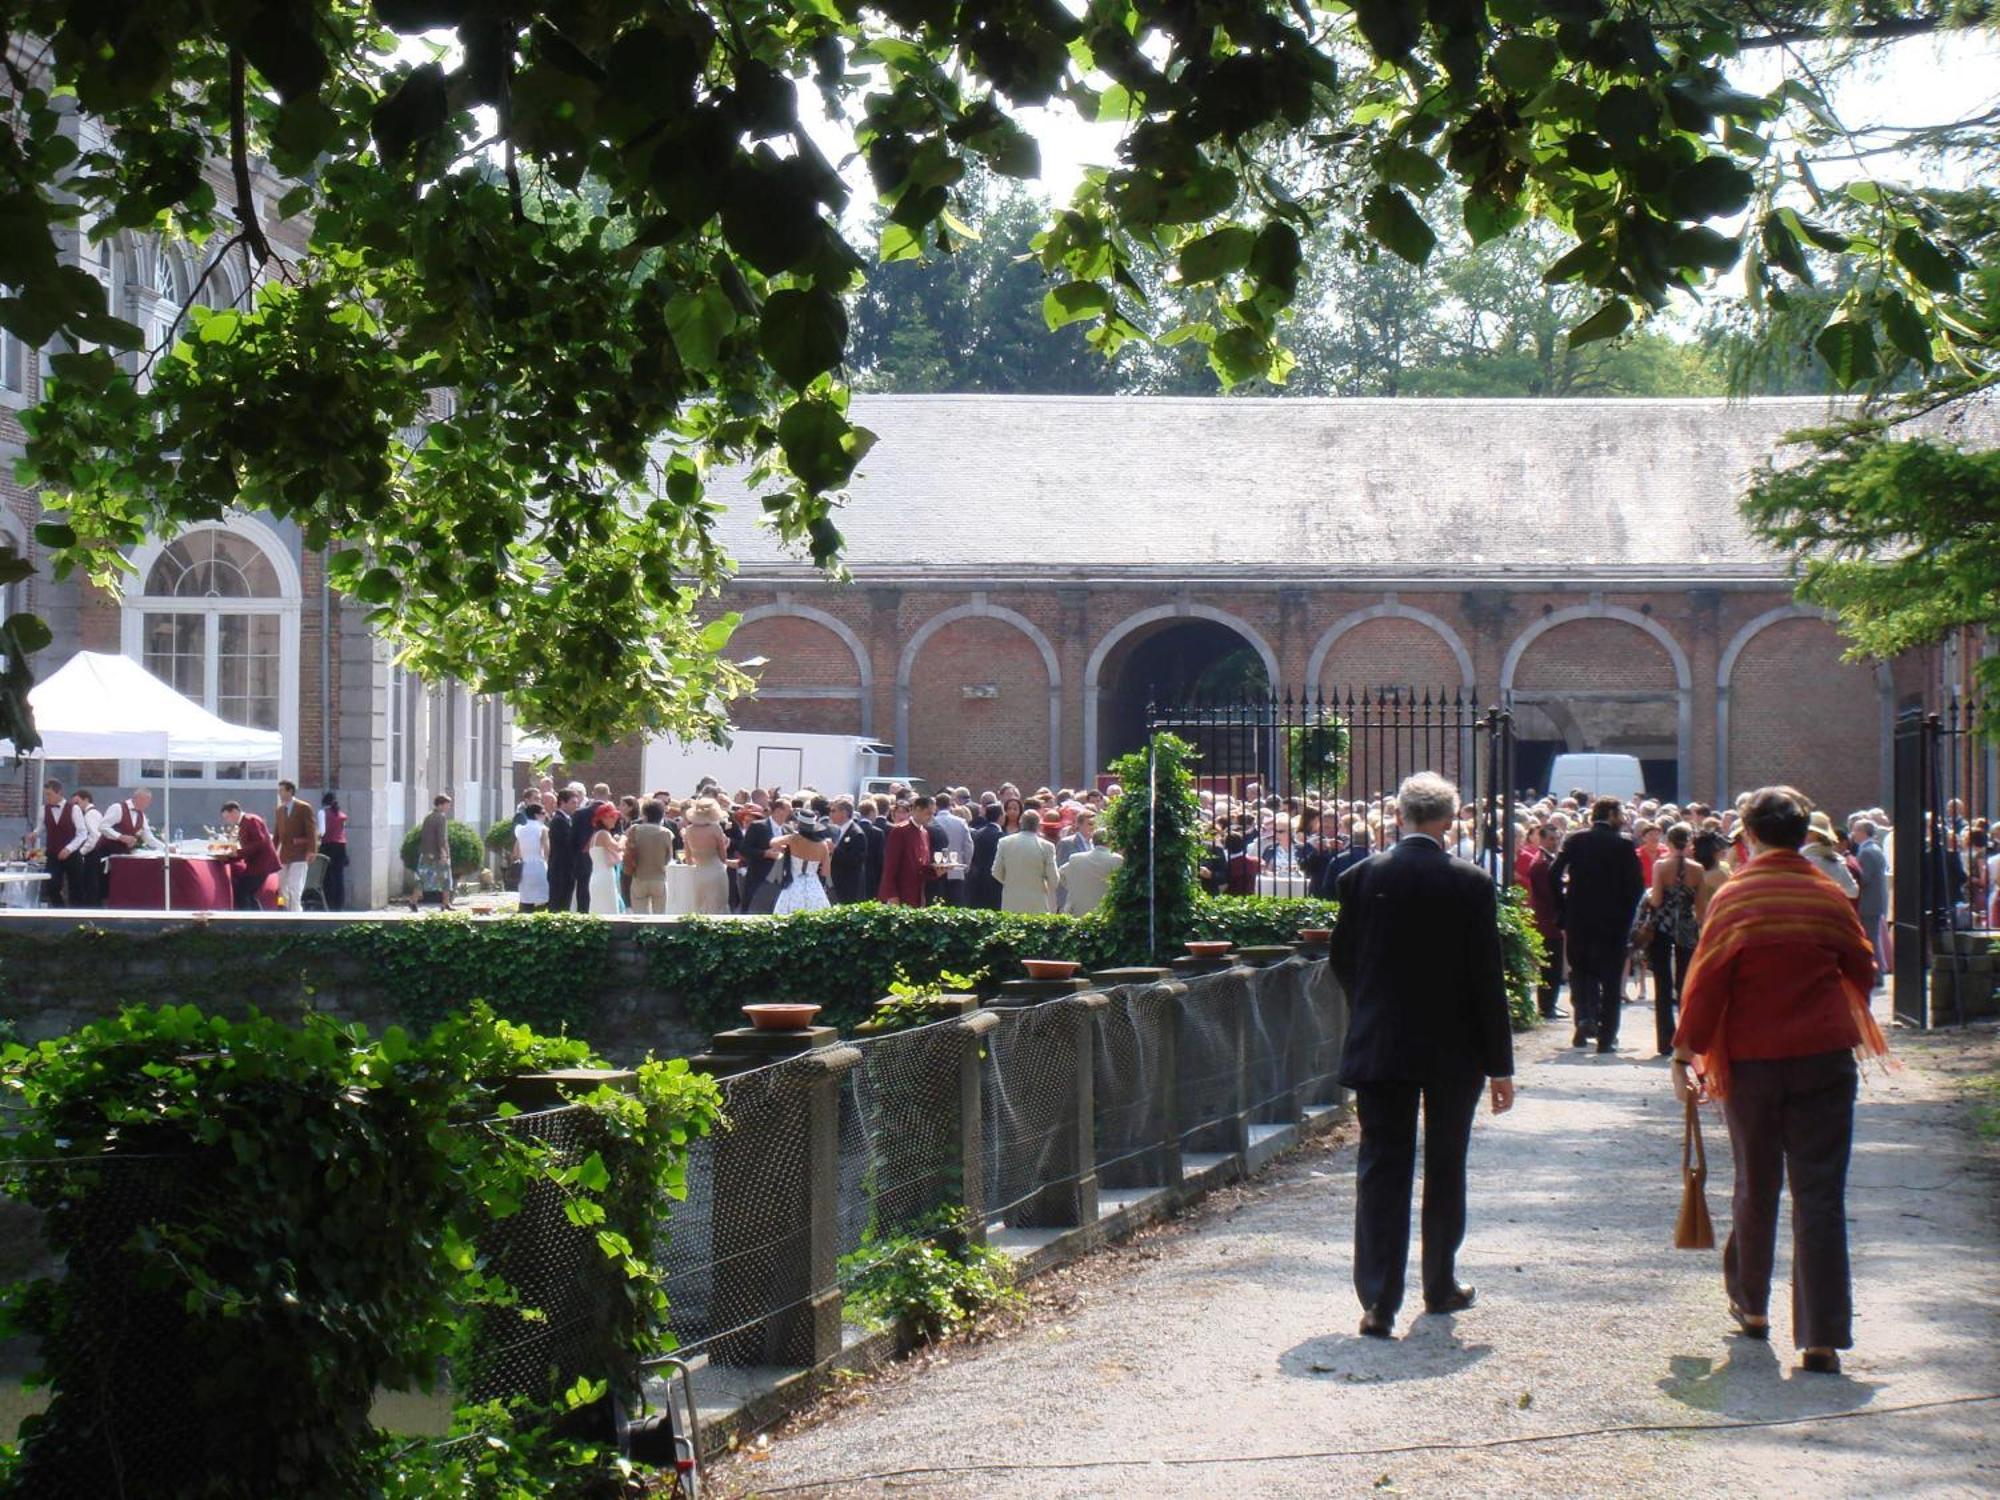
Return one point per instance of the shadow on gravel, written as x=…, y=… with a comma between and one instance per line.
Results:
x=1431, y=1350
x=1753, y=1383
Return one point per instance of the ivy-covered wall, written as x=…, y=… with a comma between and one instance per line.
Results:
x=629, y=988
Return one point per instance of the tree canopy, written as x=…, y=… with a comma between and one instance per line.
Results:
x=605, y=228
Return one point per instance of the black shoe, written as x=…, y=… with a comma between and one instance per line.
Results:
x=1458, y=1299
x=1820, y=1362
x=1558, y=1014
x=1606, y=1047
x=1378, y=1325
x=1580, y=1037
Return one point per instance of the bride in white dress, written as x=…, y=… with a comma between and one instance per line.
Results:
x=607, y=853
x=807, y=852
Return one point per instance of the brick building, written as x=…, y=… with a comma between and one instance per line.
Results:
x=1029, y=571
x=237, y=616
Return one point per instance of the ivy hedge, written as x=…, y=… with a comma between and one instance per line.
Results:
x=550, y=970
x=263, y=1223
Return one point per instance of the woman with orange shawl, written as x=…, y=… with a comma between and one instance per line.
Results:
x=1773, y=1015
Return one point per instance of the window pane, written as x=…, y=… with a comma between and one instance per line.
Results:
x=175, y=651
x=213, y=564
x=246, y=662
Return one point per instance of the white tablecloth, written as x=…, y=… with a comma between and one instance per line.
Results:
x=21, y=887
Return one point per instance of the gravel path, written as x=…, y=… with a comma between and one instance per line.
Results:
x=1233, y=1332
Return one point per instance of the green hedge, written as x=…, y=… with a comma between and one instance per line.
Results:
x=845, y=958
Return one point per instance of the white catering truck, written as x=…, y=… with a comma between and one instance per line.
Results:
x=833, y=764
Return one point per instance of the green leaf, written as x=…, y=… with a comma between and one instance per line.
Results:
x=899, y=242
x=814, y=435
x=1906, y=328
x=1407, y=166
x=1488, y=217
x=803, y=334
x=378, y=586
x=1395, y=224
x=1390, y=27
x=30, y=632
x=1073, y=302
x=56, y=534
x=1214, y=256
x=1523, y=63
x=1607, y=322
x=218, y=327
x=1925, y=261
x=1711, y=188
x=699, y=322
x=1277, y=257
x=1848, y=348
x=592, y=1175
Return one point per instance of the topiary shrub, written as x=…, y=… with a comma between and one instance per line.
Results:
x=500, y=837
x=467, y=853
x=1154, y=823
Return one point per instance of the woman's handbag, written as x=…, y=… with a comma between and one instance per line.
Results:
x=1693, y=1229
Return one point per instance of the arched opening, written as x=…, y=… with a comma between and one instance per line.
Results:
x=1596, y=683
x=1178, y=663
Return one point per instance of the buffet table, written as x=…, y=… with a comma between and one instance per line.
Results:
x=197, y=882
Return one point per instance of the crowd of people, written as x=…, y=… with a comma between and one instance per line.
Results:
x=1620, y=890
x=77, y=839
x=761, y=850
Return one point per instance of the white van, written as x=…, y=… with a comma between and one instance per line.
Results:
x=1600, y=775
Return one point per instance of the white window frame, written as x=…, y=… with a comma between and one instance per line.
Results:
x=16, y=353
x=138, y=604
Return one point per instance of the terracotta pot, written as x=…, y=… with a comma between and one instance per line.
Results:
x=1315, y=934
x=1211, y=949
x=1049, y=968
x=773, y=1016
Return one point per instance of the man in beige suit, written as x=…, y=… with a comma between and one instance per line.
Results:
x=649, y=849
x=1025, y=865
x=1085, y=877
x=295, y=831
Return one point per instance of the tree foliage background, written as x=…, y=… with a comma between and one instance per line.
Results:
x=605, y=229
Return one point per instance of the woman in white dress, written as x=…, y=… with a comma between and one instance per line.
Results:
x=807, y=852
x=531, y=847
x=607, y=854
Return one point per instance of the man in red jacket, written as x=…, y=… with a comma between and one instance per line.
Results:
x=58, y=828
x=906, y=857
x=259, y=858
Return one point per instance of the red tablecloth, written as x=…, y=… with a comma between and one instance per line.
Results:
x=133, y=883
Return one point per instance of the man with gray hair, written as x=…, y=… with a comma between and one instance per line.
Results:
x=1874, y=901
x=1417, y=948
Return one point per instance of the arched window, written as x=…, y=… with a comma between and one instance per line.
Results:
x=214, y=614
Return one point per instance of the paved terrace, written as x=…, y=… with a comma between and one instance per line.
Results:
x=1594, y=1364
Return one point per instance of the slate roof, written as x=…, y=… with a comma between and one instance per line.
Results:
x=1111, y=485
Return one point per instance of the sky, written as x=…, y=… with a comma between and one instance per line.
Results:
x=1919, y=81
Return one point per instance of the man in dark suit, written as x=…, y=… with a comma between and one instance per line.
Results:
x=1597, y=884
x=868, y=813
x=758, y=894
x=850, y=854
x=562, y=851
x=1417, y=948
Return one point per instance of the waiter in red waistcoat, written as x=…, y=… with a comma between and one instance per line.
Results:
x=58, y=828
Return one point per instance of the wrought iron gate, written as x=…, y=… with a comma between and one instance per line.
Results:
x=1290, y=765
x=1938, y=979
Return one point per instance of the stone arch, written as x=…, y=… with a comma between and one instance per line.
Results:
x=1182, y=610
x=1390, y=609
x=864, y=664
x=980, y=609
x=1883, y=736
x=1682, y=691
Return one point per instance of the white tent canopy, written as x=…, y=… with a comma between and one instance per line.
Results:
x=100, y=707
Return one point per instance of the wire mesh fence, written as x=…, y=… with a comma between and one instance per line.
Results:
x=1009, y=1117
